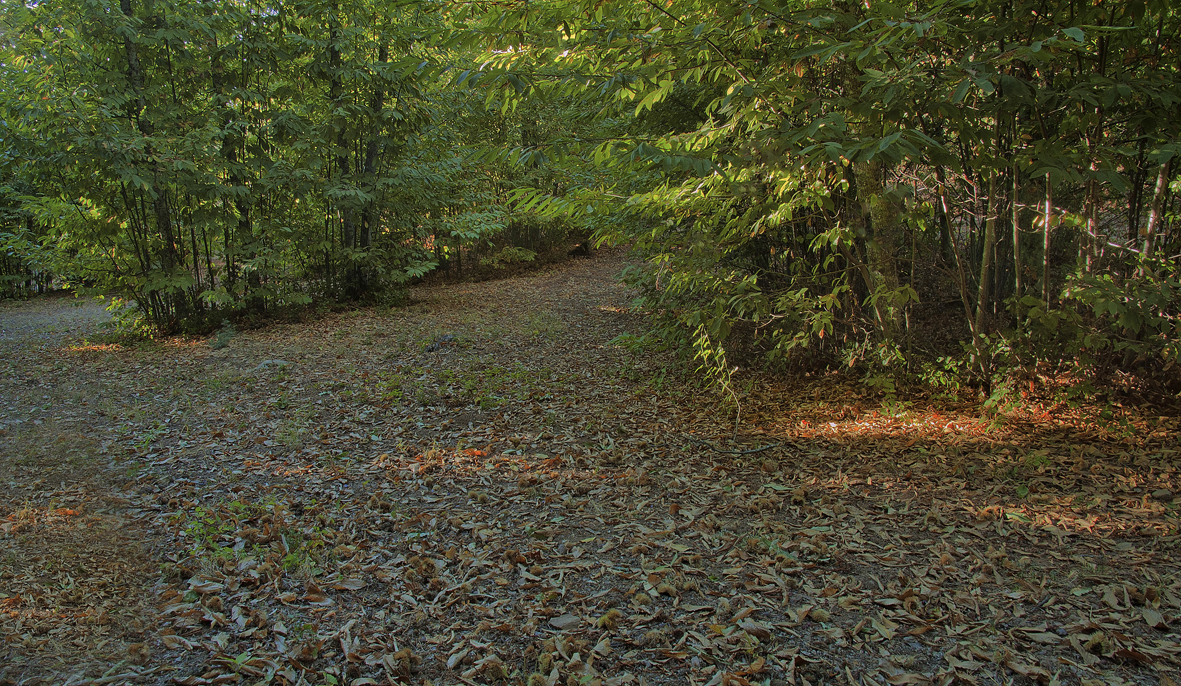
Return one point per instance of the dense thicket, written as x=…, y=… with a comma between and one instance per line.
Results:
x=959, y=189
x=219, y=157
x=850, y=180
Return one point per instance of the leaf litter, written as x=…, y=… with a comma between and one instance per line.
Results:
x=484, y=488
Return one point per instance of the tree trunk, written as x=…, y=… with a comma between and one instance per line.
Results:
x=244, y=237
x=1135, y=195
x=376, y=104
x=986, y=258
x=161, y=209
x=1154, y=212
x=336, y=96
x=1091, y=210
x=941, y=212
x=1017, y=289
x=882, y=241
x=1047, y=219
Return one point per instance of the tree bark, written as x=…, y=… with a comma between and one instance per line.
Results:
x=882, y=241
x=161, y=209
x=1047, y=219
x=336, y=96
x=941, y=213
x=986, y=258
x=376, y=104
x=1017, y=286
x=1154, y=212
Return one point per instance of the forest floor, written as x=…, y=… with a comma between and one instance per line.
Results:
x=483, y=488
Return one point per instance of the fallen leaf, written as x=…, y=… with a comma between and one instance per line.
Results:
x=755, y=629
x=1028, y=670
x=1154, y=619
x=564, y=622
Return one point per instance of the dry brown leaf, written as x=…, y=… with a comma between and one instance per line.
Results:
x=755, y=629
x=1028, y=670
x=1153, y=618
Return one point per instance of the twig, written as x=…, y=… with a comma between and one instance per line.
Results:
x=120, y=677
x=716, y=449
x=726, y=549
x=112, y=679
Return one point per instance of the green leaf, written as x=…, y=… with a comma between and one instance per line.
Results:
x=961, y=91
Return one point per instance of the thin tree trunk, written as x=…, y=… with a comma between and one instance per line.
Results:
x=161, y=209
x=1135, y=196
x=982, y=293
x=880, y=248
x=1154, y=213
x=941, y=211
x=336, y=95
x=196, y=254
x=1047, y=219
x=376, y=104
x=1017, y=286
x=1091, y=239
x=244, y=236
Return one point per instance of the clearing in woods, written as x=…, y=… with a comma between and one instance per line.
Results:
x=483, y=488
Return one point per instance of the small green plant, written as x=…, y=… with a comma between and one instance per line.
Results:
x=207, y=530
x=224, y=335
x=1000, y=404
x=389, y=388
x=423, y=396
x=507, y=256
x=544, y=325
x=946, y=373
x=1037, y=460
x=128, y=321
x=150, y=436
x=880, y=383
x=898, y=409
x=639, y=345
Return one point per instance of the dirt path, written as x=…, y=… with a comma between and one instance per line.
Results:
x=482, y=488
x=50, y=321
x=73, y=571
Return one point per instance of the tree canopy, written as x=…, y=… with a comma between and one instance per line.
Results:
x=808, y=184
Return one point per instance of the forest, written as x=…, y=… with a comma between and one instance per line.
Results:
x=966, y=193
x=590, y=342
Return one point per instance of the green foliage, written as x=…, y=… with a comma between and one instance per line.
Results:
x=127, y=321
x=224, y=335
x=223, y=158
x=1137, y=317
x=25, y=262
x=508, y=255
x=808, y=185
x=807, y=182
